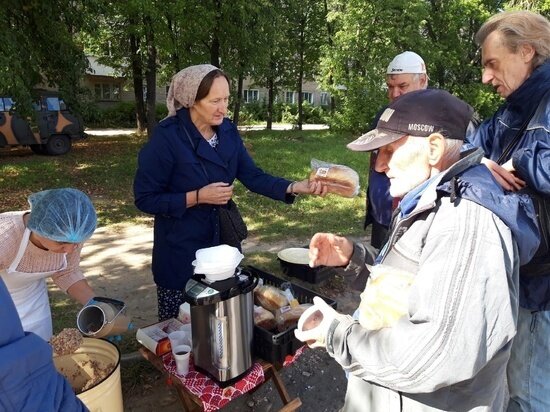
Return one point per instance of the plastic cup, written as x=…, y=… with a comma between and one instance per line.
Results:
x=181, y=355
x=178, y=338
x=189, y=334
x=310, y=319
x=184, y=314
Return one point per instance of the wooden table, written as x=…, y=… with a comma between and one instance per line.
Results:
x=191, y=403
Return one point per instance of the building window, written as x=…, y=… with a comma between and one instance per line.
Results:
x=107, y=91
x=289, y=97
x=251, y=95
x=324, y=99
x=307, y=97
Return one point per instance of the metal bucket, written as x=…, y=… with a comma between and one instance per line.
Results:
x=78, y=369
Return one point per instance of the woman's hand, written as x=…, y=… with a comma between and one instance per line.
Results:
x=309, y=188
x=329, y=250
x=217, y=193
x=504, y=174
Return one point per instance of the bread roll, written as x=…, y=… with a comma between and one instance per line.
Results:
x=270, y=297
x=340, y=180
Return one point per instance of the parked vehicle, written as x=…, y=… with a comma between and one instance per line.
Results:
x=51, y=131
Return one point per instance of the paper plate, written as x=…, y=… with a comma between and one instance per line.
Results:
x=297, y=255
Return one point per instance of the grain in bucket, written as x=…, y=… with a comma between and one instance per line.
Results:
x=93, y=371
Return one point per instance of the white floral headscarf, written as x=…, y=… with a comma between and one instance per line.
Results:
x=184, y=86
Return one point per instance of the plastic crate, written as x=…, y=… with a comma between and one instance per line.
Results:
x=274, y=347
x=305, y=273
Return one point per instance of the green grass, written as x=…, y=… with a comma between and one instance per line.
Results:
x=104, y=168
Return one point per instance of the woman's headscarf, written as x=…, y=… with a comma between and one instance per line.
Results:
x=184, y=86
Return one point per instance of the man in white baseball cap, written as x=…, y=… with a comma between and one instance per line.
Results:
x=406, y=73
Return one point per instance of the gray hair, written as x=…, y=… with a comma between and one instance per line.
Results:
x=518, y=28
x=416, y=78
x=452, y=150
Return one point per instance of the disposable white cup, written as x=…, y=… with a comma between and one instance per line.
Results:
x=177, y=338
x=306, y=315
x=181, y=355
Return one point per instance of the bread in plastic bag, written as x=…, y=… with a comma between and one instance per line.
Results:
x=270, y=297
x=287, y=316
x=339, y=179
x=264, y=318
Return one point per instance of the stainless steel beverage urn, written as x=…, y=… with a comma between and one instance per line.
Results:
x=222, y=322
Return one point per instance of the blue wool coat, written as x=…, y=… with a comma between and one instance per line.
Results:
x=28, y=379
x=168, y=168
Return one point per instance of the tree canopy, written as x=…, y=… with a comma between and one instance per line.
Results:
x=345, y=45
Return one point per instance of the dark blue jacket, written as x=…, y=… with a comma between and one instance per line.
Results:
x=379, y=201
x=168, y=167
x=531, y=157
x=28, y=379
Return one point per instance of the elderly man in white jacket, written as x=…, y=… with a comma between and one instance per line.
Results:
x=456, y=243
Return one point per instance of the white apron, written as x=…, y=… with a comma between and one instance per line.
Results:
x=30, y=294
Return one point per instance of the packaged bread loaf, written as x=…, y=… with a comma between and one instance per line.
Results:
x=287, y=316
x=270, y=297
x=264, y=318
x=339, y=179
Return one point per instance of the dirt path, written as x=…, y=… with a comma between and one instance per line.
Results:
x=117, y=263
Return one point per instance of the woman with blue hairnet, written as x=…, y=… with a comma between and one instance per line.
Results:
x=45, y=242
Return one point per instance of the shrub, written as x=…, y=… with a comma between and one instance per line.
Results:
x=282, y=112
x=121, y=115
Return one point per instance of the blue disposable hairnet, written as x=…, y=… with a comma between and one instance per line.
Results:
x=62, y=215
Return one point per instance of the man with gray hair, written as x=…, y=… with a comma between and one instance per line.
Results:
x=405, y=73
x=452, y=258
x=515, y=52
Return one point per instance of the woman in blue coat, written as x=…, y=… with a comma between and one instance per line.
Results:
x=185, y=175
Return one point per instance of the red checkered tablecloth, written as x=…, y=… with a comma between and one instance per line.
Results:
x=213, y=396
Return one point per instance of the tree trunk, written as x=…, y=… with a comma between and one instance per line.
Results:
x=237, y=107
x=151, y=75
x=137, y=76
x=270, y=99
x=301, y=75
x=330, y=35
x=174, y=55
x=215, y=45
